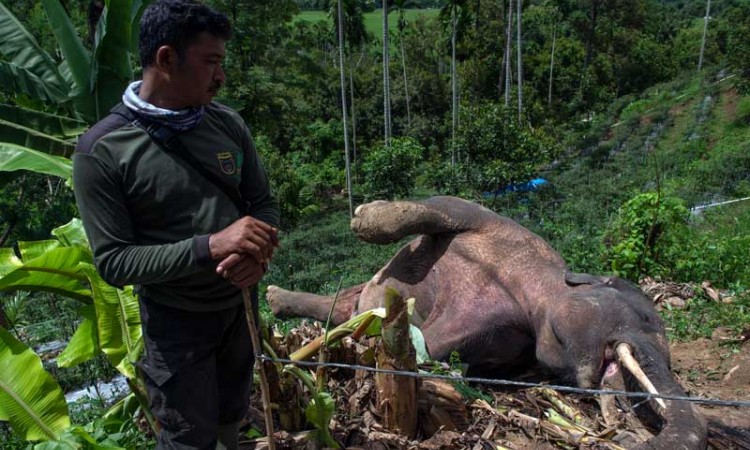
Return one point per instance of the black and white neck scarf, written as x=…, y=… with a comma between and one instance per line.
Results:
x=180, y=120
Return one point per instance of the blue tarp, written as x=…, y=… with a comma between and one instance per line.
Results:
x=528, y=186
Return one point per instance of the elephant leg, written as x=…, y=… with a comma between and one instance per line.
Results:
x=285, y=304
x=382, y=222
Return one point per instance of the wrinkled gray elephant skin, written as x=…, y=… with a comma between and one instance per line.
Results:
x=499, y=295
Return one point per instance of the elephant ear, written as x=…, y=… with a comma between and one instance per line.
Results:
x=575, y=279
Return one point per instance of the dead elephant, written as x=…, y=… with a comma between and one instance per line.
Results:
x=501, y=296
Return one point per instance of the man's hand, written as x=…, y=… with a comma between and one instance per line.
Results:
x=245, y=236
x=241, y=270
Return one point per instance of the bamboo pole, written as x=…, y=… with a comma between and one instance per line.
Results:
x=257, y=349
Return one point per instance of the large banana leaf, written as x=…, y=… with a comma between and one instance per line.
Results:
x=78, y=59
x=84, y=344
x=111, y=66
x=30, y=399
x=55, y=270
x=17, y=79
x=60, y=127
x=118, y=320
x=27, y=137
x=135, y=20
x=14, y=157
x=21, y=50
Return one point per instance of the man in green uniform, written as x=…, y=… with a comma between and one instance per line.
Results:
x=157, y=184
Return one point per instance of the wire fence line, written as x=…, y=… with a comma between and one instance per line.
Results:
x=498, y=382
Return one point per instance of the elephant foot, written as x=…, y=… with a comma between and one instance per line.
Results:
x=278, y=301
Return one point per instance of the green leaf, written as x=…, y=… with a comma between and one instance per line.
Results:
x=8, y=261
x=55, y=270
x=26, y=137
x=78, y=59
x=417, y=339
x=60, y=127
x=14, y=157
x=18, y=80
x=20, y=49
x=77, y=438
x=34, y=249
x=135, y=20
x=320, y=417
x=111, y=67
x=29, y=397
x=84, y=344
x=72, y=234
x=118, y=320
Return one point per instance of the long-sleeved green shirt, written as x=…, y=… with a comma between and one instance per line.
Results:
x=148, y=214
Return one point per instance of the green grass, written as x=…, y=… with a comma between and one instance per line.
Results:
x=702, y=316
x=322, y=251
x=373, y=20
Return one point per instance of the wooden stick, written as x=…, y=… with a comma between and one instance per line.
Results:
x=257, y=349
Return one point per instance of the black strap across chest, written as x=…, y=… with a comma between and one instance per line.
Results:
x=164, y=137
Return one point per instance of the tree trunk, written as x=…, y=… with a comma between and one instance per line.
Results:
x=508, y=29
x=705, y=31
x=344, y=112
x=552, y=63
x=406, y=83
x=591, y=34
x=519, y=42
x=397, y=395
x=386, y=79
x=454, y=87
x=354, y=119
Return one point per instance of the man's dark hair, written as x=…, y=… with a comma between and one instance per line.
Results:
x=178, y=23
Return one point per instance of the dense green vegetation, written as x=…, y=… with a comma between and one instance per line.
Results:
x=629, y=134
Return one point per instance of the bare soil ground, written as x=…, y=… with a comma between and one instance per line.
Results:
x=713, y=368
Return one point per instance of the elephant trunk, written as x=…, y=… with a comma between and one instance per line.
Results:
x=680, y=425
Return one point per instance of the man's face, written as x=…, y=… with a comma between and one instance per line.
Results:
x=198, y=75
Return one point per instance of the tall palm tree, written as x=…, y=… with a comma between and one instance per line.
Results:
x=519, y=66
x=454, y=87
x=452, y=12
x=401, y=5
x=508, y=28
x=555, y=18
x=386, y=79
x=344, y=113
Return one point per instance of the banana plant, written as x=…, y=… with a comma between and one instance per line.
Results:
x=71, y=95
x=30, y=399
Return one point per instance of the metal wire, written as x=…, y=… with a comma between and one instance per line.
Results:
x=646, y=395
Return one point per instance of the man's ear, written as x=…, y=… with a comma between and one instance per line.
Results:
x=166, y=59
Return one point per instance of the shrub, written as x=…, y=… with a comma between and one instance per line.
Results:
x=743, y=112
x=391, y=172
x=495, y=151
x=641, y=238
x=295, y=199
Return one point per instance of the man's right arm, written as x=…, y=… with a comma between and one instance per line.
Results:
x=117, y=255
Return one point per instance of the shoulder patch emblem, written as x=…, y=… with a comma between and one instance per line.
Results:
x=226, y=162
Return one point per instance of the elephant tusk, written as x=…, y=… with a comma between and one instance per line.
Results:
x=625, y=357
